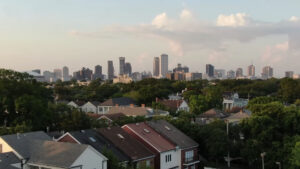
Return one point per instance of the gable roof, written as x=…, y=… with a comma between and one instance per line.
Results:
x=121, y=101
x=239, y=116
x=172, y=104
x=7, y=159
x=126, y=143
x=56, y=154
x=19, y=142
x=112, y=117
x=172, y=133
x=129, y=111
x=150, y=136
x=98, y=142
x=78, y=103
x=213, y=113
x=95, y=103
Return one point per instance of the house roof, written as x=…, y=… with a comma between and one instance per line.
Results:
x=95, y=103
x=7, y=159
x=56, y=154
x=156, y=140
x=172, y=133
x=213, y=113
x=129, y=111
x=121, y=101
x=239, y=116
x=98, y=142
x=19, y=142
x=112, y=117
x=78, y=103
x=172, y=104
x=126, y=143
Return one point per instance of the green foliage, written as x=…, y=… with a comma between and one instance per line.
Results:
x=296, y=155
x=198, y=104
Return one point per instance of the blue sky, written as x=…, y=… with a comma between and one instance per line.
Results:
x=49, y=34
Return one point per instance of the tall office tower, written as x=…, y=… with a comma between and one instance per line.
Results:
x=65, y=74
x=231, y=74
x=110, y=70
x=163, y=65
x=86, y=74
x=57, y=74
x=128, y=69
x=122, y=65
x=220, y=73
x=179, y=68
x=210, y=70
x=251, y=71
x=156, y=66
x=37, y=71
x=267, y=72
x=48, y=76
x=98, y=72
x=289, y=74
x=239, y=72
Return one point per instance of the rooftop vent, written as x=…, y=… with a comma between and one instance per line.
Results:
x=120, y=136
x=168, y=128
x=146, y=130
x=92, y=139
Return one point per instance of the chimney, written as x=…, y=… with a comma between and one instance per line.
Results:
x=48, y=129
x=131, y=105
x=143, y=105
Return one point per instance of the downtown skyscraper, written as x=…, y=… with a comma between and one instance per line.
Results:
x=122, y=65
x=156, y=66
x=110, y=70
x=210, y=70
x=163, y=65
x=251, y=70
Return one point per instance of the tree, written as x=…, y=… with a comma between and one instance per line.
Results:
x=198, y=104
x=296, y=155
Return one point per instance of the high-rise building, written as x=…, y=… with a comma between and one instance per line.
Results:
x=128, y=69
x=239, y=72
x=267, y=72
x=57, y=74
x=231, y=74
x=48, y=76
x=193, y=76
x=98, y=72
x=122, y=65
x=251, y=71
x=65, y=74
x=163, y=65
x=179, y=68
x=110, y=70
x=37, y=71
x=219, y=73
x=156, y=66
x=210, y=70
x=289, y=74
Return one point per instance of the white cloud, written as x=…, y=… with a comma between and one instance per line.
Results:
x=294, y=19
x=160, y=20
x=275, y=54
x=233, y=20
x=186, y=14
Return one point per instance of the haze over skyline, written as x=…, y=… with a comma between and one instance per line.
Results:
x=50, y=34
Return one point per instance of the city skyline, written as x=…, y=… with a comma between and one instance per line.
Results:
x=47, y=35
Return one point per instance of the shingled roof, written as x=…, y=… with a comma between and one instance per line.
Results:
x=126, y=143
x=121, y=101
x=172, y=104
x=172, y=133
x=8, y=159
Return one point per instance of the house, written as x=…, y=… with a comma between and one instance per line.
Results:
x=175, y=105
x=136, y=111
x=232, y=100
x=188, y=147
x=121, y=102
x=235, y=118
x=97, y=141
x=210, y=115
x=36, y=150
x=139, y=155
x=175, y=97
x=76, y=104
x=90, y=107
x=9, y=161
x=108, y=118
x=167, y=154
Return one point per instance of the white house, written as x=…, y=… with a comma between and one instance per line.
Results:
x=175, y=105
x=115, y=102
x=90, y=107
x=36, y=150
x=233, y=100
x=76, y=104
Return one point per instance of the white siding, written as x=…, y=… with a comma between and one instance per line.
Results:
x=91, y=159
x=89, y=107
x=175, y=159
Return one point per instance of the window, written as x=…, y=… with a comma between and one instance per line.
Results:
x=193, y=167
x=168, y=158
x=148, y=162
x=189, y=156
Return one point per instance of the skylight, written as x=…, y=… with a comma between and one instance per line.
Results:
x=120, y=136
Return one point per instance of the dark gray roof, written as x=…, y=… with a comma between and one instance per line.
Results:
x=19, y=142
x=55, y=154
x=7, y=159
x=121, y=101
x=172, y=133
x=98, y=142
x=95, y=103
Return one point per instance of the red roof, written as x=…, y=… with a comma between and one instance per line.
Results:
x=150, y=136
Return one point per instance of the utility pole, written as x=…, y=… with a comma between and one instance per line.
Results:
x=228, y=154
x=263, y=159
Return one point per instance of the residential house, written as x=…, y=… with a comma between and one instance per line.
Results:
x=108, y=118
x=137, y=111
x=236, y=118
x=210, y=115
x=89, y=107
x=139, y=155
x=114, y=102
x=36, y=150
x=167, y=154
x=188, y=147
x=76, y=104
x=93, y=138
x=175, y=105
x=9, y=161
x=232, y=100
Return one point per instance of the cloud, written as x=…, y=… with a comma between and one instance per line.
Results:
x=294, y=19
x=186, y=14
x=233, y=20
x=160, y=20
x=275, y=54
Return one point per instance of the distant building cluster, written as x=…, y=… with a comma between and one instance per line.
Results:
x=160, y=70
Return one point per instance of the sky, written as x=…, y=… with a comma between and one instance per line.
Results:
x=49, y=34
